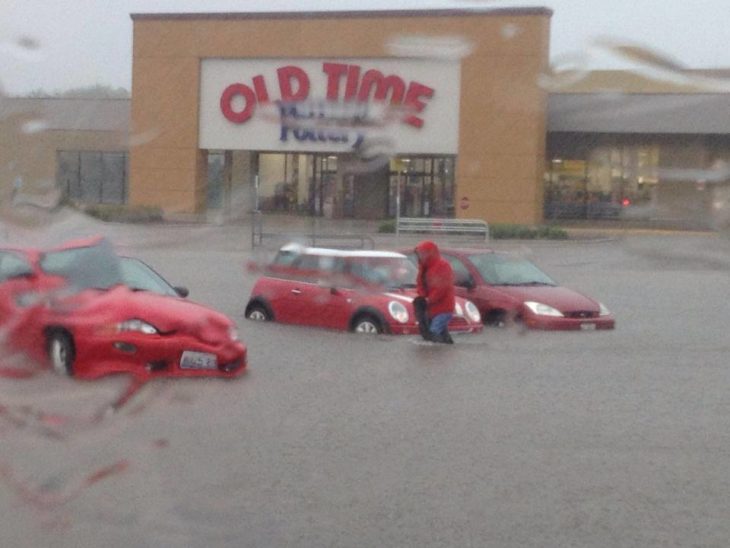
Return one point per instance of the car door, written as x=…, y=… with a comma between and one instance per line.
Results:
x=330, y=303
x=293, y=293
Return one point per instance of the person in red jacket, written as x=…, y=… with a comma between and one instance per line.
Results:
x=435, y=302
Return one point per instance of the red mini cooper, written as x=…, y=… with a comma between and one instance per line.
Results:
x=360, y=291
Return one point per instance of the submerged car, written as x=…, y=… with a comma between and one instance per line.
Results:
x=89, y=312
x=360, y=291
x=508, y=289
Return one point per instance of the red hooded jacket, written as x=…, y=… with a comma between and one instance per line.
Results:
x=435, y=279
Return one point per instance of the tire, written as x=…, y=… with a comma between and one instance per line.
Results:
x=367, y=325
x=258, y=313
x=61, y=352
x=495, y=318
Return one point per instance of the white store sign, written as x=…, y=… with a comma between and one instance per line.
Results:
x=341, y=105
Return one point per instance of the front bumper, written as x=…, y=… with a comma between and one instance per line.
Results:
x=569, y=324
x=150, y=356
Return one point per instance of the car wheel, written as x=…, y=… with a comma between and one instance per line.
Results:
x=495, y=318
x=61, y=352
x=258, y=313
x=367, y=324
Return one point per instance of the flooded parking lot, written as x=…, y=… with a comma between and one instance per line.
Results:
x=508, y=438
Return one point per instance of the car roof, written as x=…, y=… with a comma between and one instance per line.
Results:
x=462, y=250
x=305, y=250
x=467, y=250
x=89, y=241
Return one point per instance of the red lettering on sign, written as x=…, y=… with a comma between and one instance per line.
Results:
x=294, y=86
x=334, y=72
x=415, y=93
x=353, y=77
x=227, y=97
x=286, y=76
x=383, y=85
x=259, y=84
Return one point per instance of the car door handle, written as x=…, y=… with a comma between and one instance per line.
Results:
x=296, y=291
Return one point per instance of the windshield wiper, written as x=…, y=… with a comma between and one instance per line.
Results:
x=521, y=284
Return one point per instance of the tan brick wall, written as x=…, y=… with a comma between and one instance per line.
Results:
x=33, y=154
x=502, y=108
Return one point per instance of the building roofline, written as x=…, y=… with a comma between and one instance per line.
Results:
x=360, y=14
x=51, y=98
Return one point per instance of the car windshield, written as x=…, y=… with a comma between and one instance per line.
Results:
x=140, y=277
x=90, y=267
x=498, y=269
x=391, y=272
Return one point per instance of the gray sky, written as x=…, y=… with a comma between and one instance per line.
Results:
x=59, y=44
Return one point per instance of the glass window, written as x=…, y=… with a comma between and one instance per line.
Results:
x=13, y=265
x=93, y=177
x=137, y=275
x=85, y=267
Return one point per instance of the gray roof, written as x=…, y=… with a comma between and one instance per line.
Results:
x=348, y=14
x=658, y=113
x=70, y=114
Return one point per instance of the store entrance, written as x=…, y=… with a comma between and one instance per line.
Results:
x=426, y=186
x=331, y=185
x=342, y=187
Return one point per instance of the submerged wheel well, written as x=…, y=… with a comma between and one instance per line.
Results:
x=260, y=302
x=500, y=317
x=368, y=312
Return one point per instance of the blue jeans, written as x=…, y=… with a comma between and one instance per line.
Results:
x=440, y=322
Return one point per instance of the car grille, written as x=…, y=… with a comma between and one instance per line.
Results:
x=581, y=314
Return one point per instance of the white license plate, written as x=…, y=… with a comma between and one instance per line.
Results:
x=198, y=360
x=587, y=326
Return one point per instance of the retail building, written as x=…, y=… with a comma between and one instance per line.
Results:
x=452, y=113
x=331, y=113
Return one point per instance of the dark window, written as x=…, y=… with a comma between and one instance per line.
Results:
x=13, y=265
x=93, y=177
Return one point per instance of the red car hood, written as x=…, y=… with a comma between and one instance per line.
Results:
x=560, y=298
x=168, y=314
x=407, y=295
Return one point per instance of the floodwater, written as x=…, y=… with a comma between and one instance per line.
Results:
x=506, y=438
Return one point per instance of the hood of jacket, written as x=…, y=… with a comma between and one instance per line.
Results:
x=427, y=252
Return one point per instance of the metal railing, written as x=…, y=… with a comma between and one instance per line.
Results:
x=428, y=225
x=312, y=238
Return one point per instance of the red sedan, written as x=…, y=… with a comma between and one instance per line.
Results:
x=91, y=313
x=507, y=288
x=360, y=291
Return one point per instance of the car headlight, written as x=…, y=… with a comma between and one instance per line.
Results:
x=543, y=309
x=458, y=311
x=137, y=325
x=233, y=333
x=603, y=310
x=473, y=312
x=398, y=311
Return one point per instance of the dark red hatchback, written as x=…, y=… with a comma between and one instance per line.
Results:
x=507, y=288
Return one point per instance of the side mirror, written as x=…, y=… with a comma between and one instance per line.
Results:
x=181, y=291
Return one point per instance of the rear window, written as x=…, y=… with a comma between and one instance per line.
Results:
x=94, y=266
x=13, y=265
